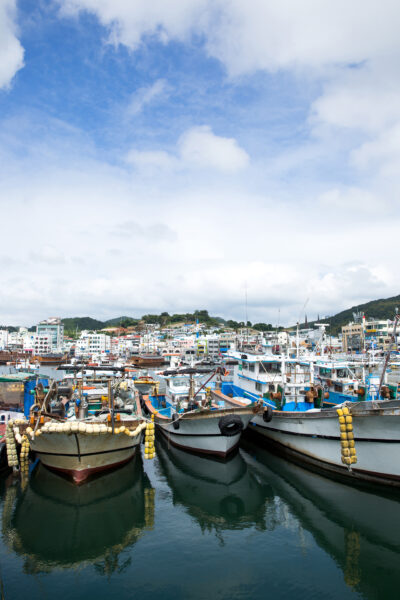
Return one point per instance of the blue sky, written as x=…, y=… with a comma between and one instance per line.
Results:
x=215, y=145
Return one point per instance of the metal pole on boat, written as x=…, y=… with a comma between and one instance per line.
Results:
x=191, y=387
x=385, y=363
x=204, y=384
x=112, y=407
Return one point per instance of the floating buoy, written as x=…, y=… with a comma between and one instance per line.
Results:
x=347, y=445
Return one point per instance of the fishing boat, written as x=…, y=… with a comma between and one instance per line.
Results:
x=362, y=442
x=67, y=439
x=51, y=360
x=357, y=438
x=207, y=426
x=148, y=360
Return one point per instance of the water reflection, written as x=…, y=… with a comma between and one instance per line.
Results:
x=358, y=527
x=218, y=494
x=54, y=524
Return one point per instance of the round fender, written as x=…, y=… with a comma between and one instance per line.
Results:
x=267, y=414
x=230, y=425
x=175, y=421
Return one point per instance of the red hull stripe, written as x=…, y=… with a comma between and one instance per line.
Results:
x=80, y=476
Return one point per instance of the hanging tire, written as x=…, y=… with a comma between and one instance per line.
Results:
x=267, y=414
x=230, y=425
x=175, y=421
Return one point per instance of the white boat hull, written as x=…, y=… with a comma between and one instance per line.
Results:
x=81, y=455
x=201, y=433
x=314, y=438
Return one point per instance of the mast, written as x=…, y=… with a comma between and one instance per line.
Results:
x=388, y=353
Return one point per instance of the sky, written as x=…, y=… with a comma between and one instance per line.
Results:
x=179, y=155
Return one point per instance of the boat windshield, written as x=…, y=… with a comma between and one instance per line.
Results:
x=181, y=382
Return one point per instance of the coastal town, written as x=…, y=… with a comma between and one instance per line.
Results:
x=187, y=342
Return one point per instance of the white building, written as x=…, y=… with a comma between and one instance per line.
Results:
x=43, y=343
x=93, y=343
x=3, y=339
x=53, y=327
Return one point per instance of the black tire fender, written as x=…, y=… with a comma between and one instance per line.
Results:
x=230, y=425
x=175, y=421
x=267, y=414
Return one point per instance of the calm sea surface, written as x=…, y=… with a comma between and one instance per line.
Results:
x=182, y=527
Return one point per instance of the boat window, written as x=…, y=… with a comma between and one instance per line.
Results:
x=341, y=373
x=258, y=386
x=245, y=366
x=3, y=418
x=251, y=367
x=323, y=371
x=180, y=382
x=269, y=367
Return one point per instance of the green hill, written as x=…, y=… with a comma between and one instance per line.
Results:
x=79, y=323
x=378, y=309
x=375, y=309
x=120, y=322
x=71, y=325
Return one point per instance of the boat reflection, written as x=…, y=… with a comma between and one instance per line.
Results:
x=53, y=523
x=358, y=527
x=218, y=494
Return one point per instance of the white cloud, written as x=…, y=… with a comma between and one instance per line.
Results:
x=128, y=21
x=149, y=160
x=383, y=153
x=11, y=51
x=356, y=203
x=246, y=36
x=195, y=244
x=145, y=96
x=197, y=148
x=200, y=147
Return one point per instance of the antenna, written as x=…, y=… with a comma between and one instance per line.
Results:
x=245, y=311
x=303, y=309
x=278, y=321
x=245, y=302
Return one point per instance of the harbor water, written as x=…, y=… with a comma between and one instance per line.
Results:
x=182, y=526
